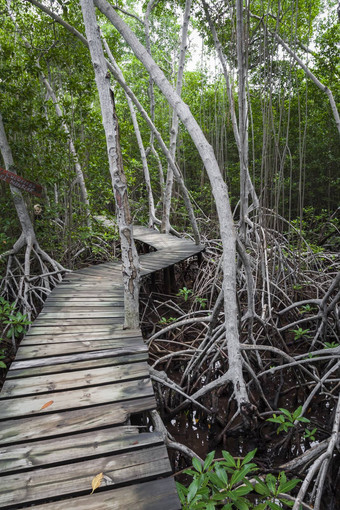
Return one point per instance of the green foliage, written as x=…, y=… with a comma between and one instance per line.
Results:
x=307, y=309
x=165, y=320
x=310, y=434
x=202, y=302
x=299, y=333
x=330, y=345
x=184, y=293
x=224, y=484
x=16, y=323
x=13, y=323
x=287, y=419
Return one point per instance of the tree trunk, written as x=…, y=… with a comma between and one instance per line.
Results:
x=110, y=123
x=219, y=190
x=27, y=238
x=152, y=214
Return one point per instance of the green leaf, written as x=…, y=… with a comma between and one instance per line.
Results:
x=303, y=419
x=192, y=490
x=197, y=465
x=241, y=504
x=210, y=506
x=218, y=496
x=182, y=492
x=243, y=490
x=208, y=460
x=288, y=486
x=222, y=475
x=261, y=488
x=273, y=506
x=249, y=457
x=286, y=412
x=261, y=506
x=216, y=480
x=230, y=460
x=3, y=365
x=271, y=482
x=297, y=413
x=240, y=475
x=190, y=472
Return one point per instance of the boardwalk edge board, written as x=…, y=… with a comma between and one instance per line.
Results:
x=66, y=404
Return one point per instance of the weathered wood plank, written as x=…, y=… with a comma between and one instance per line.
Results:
x=82, y=304
x=79, y=398
x=75, y=447
x=71, y=358
x=119, y=332
x=89, y=312
x=76, y=478
x=71, y=380
x=79, y=365
x=56, y=349
x=62, y=330
x=72, y=421
x=153, y=495
x=76, y=322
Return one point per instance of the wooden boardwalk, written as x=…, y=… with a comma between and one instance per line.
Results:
x=70, y=404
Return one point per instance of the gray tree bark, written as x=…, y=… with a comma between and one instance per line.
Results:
x=129, y=253
x=152, y=214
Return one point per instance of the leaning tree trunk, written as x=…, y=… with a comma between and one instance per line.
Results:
x=110, y=123
x=147, y=179
x=219, y=190
x=22, y=289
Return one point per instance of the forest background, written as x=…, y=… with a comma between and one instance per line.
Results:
x=261, y=80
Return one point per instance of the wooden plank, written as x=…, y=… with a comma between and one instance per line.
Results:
x=56, y=349
x=71, y=358
x=76, y=399
x=71, y=380
x=119, y=332
x=76, y=322
x=72, y=421
x=73, y=313
x=82, y=303
x=76, y=478
x=152, y=495
x=74, y=330
x=76, y=312
x=98, y=288
x=79, y=365
x=75, y=447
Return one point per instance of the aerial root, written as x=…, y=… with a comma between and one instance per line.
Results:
x=28, y=291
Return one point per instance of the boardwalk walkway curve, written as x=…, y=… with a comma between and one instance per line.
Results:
x=68, y=397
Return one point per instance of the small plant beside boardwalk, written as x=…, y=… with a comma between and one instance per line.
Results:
x=231, y=483
x=12, y=326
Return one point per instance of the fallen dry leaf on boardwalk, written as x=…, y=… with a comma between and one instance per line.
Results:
x=49, y=403
x=97, y=480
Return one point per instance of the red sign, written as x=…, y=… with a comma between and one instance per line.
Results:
x=20, y=182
